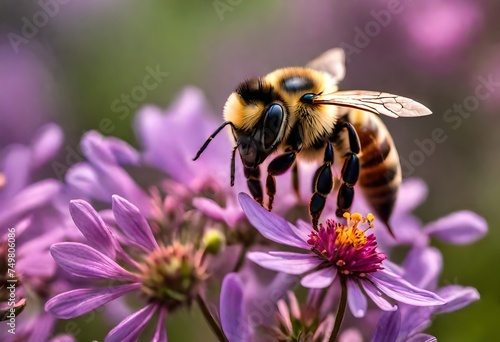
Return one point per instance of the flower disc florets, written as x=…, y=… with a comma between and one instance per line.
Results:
x=173, y=275
x=348, y=248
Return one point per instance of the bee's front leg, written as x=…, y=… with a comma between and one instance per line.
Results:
x=253, y=182
x=277, y=166
x=322, y=186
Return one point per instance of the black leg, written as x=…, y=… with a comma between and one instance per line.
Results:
x=253, y=183
x=295, y=180
x=322, y=186
x=233, y=166
x=350, y=171
x=277, y=166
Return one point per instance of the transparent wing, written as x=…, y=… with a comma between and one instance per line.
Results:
x=375, y=102
x=332, y=62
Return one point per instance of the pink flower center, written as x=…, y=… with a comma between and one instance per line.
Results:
x=348, y=248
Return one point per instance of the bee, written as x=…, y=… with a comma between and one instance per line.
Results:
x=299, y=113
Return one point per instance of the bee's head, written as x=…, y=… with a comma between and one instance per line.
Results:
x=259, y=116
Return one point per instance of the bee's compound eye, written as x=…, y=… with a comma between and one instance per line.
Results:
x=307, y=98
x=273, y=120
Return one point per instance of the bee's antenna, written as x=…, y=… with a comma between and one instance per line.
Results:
x=200, y=151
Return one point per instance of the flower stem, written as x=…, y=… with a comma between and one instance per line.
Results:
x=216, y=329
x=341, y=310
x=241, y=258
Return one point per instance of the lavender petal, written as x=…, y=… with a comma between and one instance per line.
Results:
x=377, y=298
x=78, y=302
x=161, y=327
x=388, y=327
x=84, y=261
x=402, y=291
x=457, y=297
x=131, y=327
x=356, y=299
x=92, y=226
x=423, y=267
x=233, y=309
x=319, y=279
x=272, y=226
x=47, y=141
x=422, y=338
x=286, y=262
x=462, y=227
x=133, y=223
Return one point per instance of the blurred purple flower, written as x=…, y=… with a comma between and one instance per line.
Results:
x=334, y=250
x=169, y=276
x=422, y=267
x=18, y=163
x=25, y=104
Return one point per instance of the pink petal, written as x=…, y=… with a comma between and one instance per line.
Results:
x=402, y=291
x=78, y=302
x=462, y=227
x=133, y=223
x=84, y=261
x=356, y=299
x=272, y=226
x=131, y=327
x=319, y=279
x=92, y=226
x=287, y=262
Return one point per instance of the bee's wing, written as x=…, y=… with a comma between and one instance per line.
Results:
x=375, y=102
x=332, y=62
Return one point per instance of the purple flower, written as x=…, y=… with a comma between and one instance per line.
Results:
x=460, y=227
x=334, y=250
x=422, y=267
x=168, y=276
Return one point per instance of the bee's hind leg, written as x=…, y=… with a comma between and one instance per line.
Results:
x=322, y=186
x=350, y=171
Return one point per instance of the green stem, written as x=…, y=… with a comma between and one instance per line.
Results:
x=341, y=309
x=241, y=258
x=216, y=329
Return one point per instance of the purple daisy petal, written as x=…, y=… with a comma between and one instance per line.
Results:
x=462, y=227
x=16, y=167
x=319, y=279
x=286, y=262
x=272, y=226
x=28, y=199
x=233, y=309
x=399, y=289
x=422, y=338
x=132, y=326
x=99, y=149
x=388, y=327
x=45, y=145
x=457, y=297
x=415, y=193
x=84, y=179
x=376, y=296
x=84, y=261
x=36, y=264
x=423, y=267
x=356, y=299
x=78, y=302
x=133, y=223
x=92, y=226
x=161, y=327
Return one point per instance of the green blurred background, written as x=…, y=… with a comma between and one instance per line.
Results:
x=88, y=54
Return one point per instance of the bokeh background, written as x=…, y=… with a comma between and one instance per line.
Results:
x=82, y=64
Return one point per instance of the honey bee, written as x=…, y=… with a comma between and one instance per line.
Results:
x=299, y=113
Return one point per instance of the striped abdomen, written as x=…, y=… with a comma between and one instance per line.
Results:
x=380, y=170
